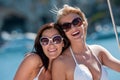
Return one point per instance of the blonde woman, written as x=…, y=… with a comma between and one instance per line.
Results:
x=80, y=61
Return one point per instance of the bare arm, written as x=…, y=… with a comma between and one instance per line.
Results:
x=28, y=68
x=109, y=60
x=58, y=70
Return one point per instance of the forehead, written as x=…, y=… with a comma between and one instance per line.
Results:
x=50, y=32
x=68, y=18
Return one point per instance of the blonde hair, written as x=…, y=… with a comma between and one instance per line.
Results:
x=69, y=9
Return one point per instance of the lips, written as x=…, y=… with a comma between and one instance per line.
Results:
x=52, y=50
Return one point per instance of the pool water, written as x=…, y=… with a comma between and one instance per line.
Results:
x=13, y=52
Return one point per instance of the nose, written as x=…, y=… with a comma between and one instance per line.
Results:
x=51, y=42
x=73, y=27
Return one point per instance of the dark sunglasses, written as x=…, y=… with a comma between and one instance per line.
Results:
x=76, y=23
x=56, y=39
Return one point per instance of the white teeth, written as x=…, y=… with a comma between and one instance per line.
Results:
x=75, y=33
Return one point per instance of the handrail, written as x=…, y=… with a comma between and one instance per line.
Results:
x=113, y=22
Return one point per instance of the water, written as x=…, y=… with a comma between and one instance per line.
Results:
x=13, y=52
x=11, y=55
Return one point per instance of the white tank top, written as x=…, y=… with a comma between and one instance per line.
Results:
x=81, y=72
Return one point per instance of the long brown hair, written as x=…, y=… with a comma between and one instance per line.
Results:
x=38, y=47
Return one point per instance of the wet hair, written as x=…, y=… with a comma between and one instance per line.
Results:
x=38, y=48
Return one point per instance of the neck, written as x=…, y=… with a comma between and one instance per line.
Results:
x=49, y=65
x=79, y=47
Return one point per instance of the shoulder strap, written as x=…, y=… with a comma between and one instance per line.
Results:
x=94, y=55
x=73, y=55
x=36, y=78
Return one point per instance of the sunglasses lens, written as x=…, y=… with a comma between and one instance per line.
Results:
x=57, y=39
x=66, y=26
x=77, y=22
x=44, y=41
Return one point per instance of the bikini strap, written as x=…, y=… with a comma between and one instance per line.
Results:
x=40, y=71
x=73, y=55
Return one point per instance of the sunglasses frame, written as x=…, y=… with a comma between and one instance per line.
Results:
x=67, y=26
x=51, y=39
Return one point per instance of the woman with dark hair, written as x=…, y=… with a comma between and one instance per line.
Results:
x=49, y=44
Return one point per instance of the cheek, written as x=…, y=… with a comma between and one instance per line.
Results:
x=69, y=37
x=68, y=34
x=60, y=47
x=44, y=49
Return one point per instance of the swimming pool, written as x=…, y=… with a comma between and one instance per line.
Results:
x=12, y=53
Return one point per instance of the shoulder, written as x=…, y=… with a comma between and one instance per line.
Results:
x=101, y=52
x=32, y=59
x=62, y=59
x=59, y=66
x=59, y=60
x=98, y=48
x=30, y=64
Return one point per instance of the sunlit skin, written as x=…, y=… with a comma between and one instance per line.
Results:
x=73, y=30
x=83, y=53
x=52, y=50
x=75, y=35
x=31, y=65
